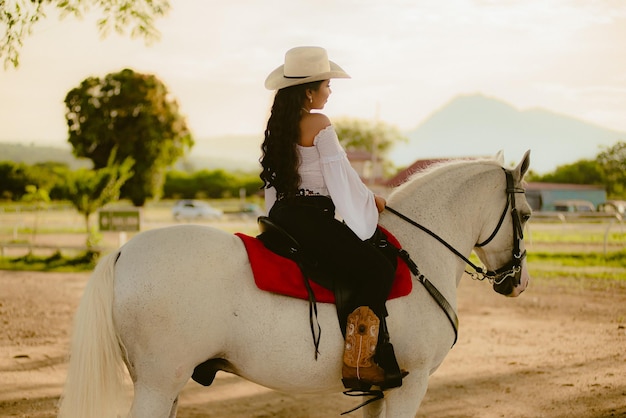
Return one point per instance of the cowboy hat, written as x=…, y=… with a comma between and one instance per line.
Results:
x=304, y=64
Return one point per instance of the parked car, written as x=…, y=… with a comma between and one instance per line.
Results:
x=195, y=209
x=613, y=206
x=252, y=209
x=574, y=206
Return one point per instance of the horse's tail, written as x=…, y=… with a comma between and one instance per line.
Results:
x=95, y=378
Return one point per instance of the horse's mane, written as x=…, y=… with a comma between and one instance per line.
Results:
x=420, y=177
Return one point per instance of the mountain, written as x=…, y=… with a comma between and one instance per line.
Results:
x=231, y=152
x=476, y=125
x=470, y=125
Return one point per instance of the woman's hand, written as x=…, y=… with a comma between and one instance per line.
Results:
x=380, y=203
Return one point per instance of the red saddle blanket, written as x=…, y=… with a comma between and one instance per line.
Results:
x=281, y=275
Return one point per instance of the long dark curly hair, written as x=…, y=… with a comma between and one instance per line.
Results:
x=279, y=155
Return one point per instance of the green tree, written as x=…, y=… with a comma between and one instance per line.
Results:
x=375, y=138
x=613, y=162
x=17, y=18
x=135, y=114
x=209, y=183
x=49, y=176
x=365, y=135
x=608, y=169
x=13, y=180
x=579, y=172
x=15, y=177
x=89, y=190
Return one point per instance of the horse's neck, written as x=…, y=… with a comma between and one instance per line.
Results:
x=447, y=200
x=444, y=201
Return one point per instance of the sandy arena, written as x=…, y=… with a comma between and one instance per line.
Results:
x=557, y=351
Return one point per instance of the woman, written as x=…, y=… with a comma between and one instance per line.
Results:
x=308, y=180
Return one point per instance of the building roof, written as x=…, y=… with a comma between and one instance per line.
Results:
x=419, y=165
x=360, y=155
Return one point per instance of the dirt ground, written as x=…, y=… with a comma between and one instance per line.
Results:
x=557, y=351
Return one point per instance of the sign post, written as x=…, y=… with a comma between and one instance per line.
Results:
x=120, y=221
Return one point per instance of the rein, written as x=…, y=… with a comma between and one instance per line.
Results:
x=511, y=270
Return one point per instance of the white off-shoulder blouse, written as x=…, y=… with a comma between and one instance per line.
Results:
x=325, y=170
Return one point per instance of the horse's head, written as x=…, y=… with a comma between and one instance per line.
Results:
x=501, y=248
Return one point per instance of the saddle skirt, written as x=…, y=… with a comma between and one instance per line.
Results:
x=277, y=274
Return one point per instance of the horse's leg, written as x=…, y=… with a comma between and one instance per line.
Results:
x=153, y=402
x=404, y=402
x=174, y=408
x=374, y=409
x=157, y=386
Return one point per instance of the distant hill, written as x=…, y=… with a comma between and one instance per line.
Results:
x=195, y=162
x=33, y=154
x=478, y=125
x=231, y=152
x=470, y=125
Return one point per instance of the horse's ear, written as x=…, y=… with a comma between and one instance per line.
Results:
x=499, y=157
x=522, y=167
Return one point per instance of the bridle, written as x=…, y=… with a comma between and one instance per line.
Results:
x=504, y=279
x=508, y=276
x=510, y=270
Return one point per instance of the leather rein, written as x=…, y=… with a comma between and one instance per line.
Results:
x=509, y=273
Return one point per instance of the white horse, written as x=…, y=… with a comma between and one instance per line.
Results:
x=173, y=298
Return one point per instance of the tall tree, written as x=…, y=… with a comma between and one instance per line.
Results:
x=17, y=18
x=375, y=138
x=135, y=114
x=613, y=162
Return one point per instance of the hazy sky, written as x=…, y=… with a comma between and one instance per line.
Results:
x=406, y=57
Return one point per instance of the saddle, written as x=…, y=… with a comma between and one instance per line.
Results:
x=319, y=284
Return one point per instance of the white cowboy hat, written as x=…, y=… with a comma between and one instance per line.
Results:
x=304, y=64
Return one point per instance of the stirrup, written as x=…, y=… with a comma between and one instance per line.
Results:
x=375, y=394
x=386, y=359
x=356, y=384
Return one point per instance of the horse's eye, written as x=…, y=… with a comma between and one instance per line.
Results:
x=525, y=217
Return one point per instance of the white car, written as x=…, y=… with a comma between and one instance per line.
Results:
x=613, y=206
x=195, y=209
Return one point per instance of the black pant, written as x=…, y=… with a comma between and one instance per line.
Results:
x=342, y=255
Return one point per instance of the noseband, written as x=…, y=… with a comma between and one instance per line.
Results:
x=505, y=278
